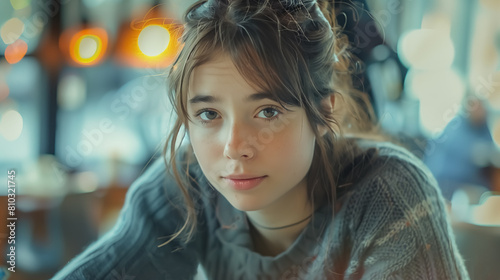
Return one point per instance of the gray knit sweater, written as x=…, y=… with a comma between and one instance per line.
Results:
x=392, y=224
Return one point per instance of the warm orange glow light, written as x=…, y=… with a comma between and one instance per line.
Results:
x=16, y=51
x=153, y=40
x=85, y=47
x=135, y=49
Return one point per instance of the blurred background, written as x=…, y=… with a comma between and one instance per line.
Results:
x=83, y=109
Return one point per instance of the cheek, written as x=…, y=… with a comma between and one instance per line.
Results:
x=292, y=148
x=201, y=146
x=206, y=149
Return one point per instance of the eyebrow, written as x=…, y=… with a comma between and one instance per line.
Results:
x=211, y=99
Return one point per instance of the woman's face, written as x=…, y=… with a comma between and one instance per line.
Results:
x=238, y=130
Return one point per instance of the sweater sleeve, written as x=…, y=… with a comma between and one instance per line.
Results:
x=130, y=249
x=399, y=227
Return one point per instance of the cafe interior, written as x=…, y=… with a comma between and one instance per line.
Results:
x=84, y=110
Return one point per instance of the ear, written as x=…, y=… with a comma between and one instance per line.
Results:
x=328, y=103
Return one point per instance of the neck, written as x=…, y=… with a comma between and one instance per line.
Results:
x=271, y=241
x=274, y=230
x=282, y=227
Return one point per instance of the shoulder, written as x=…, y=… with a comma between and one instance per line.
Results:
x=149, y=185
x=396, y=185
x=394, y=220
x=396, y=167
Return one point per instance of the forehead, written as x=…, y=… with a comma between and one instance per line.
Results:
x=220, y=64
x=219, y=72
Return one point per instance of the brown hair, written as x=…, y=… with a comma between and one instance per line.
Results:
x=291, y=49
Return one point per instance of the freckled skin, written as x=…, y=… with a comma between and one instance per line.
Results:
x=239, y=139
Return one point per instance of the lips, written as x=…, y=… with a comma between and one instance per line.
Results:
x=242, y=176
x=243, y=182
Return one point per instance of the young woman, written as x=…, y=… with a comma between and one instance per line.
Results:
x=279, y=179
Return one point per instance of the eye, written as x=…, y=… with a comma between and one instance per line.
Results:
x=208, y=115
x=269, y=113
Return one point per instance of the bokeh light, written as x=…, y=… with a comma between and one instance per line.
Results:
x=11, y=125
x=20, y=4
x=89, y=48
x=85, y=182
x=71, y=92
x=153, y=40
x=437, y=20
x=381, y=52
x=85, y=47
x=11, y=30
x=426, y=49
x=16, y=51
x=440, y=93
x=486, y=213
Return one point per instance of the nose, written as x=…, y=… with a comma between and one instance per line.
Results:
x=237, y=143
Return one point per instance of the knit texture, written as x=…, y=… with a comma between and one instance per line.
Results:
x=391, y=224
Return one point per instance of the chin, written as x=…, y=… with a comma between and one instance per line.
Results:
x=246, y=204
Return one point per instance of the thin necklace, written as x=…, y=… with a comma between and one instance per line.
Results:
x=274, y=228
